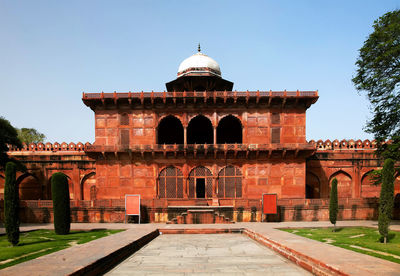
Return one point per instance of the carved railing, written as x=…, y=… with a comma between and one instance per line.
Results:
x=319, y=145
x=197, y=94
x=343, y=144
x=51, y=147
x=198, y=147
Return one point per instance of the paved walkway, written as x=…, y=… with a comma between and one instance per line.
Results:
x=72, y=259
x=202, y=254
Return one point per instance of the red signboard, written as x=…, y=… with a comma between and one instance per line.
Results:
x=132, y=205
x=270, y=203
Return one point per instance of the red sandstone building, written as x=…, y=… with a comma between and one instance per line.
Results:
x=200, y=147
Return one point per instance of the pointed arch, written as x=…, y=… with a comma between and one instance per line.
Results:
x=29, y=187
x=200, y=183
x=230, y=130
x=200, y=131
x=170, y=183
x=368, y=189
x=86, y=192
x=313, y=185
x=230, y=182
x=345, y=183
x=170, y=131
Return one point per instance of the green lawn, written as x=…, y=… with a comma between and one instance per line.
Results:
x=349, y=237
x=41, y=242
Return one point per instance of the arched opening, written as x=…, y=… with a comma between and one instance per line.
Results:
x=170, y=131
x=230, y=182
x=200, y=183
x=312, y=186
x=344, y=183
x=200, y=131
x=368, y=188
x=229, y=131
x=86, y=183
x=29, y=187
x=170, y=183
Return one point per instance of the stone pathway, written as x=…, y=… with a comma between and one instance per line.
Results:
x=80, y=256
x=202, y=254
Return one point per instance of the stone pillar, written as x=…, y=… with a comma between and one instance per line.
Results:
x=356, y=191
x=185, y=135
x=185, y=178
x=215, y=135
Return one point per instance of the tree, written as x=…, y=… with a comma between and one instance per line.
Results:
x=11, y=204
x=378, y=73
x=386, y=198
x=61, y=206
x=30, y=135
x=333, y=203
x=8, y=136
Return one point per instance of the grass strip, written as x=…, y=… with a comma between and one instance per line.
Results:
x=359, y=239
x=37, y=243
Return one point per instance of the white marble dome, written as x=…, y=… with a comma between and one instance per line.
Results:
x=199, y=63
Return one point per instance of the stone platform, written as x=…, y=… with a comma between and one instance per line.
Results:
x=94, y=257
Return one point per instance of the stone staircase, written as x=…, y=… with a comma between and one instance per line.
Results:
x=200, y=216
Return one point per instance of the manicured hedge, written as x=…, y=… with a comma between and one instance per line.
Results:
x=333, y=203
x=11, y=204
x=61, y=206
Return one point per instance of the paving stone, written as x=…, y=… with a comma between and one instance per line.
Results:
x=69, y=260
x=213, y=254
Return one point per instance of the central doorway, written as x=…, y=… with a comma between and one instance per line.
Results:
x=200, y=187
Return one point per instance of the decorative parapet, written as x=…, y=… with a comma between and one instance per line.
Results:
x=344, y=144
x=198, y=94
x=207, y=97
x=51, y=147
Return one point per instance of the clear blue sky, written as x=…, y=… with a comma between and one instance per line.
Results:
x=51, y=51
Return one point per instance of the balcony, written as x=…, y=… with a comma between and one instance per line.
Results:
x=249, y=151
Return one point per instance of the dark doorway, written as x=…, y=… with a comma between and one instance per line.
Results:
x=170, y=131
x=229, y=131
x=200, y=131
x=200, y=188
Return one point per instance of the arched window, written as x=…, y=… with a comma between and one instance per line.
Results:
x=170, y=183
x=170, y=131
x=200, y=131
x=200, y=183
x=229, y=131
x=230, y=182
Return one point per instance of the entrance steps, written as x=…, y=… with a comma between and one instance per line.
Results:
x=200, y=216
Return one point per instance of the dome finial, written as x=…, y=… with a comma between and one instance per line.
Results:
x=198, y=48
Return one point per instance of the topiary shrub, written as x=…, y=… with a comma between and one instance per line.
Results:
x=386, y=199
x=61, y=206
x=11, y=204
x=333, y=203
